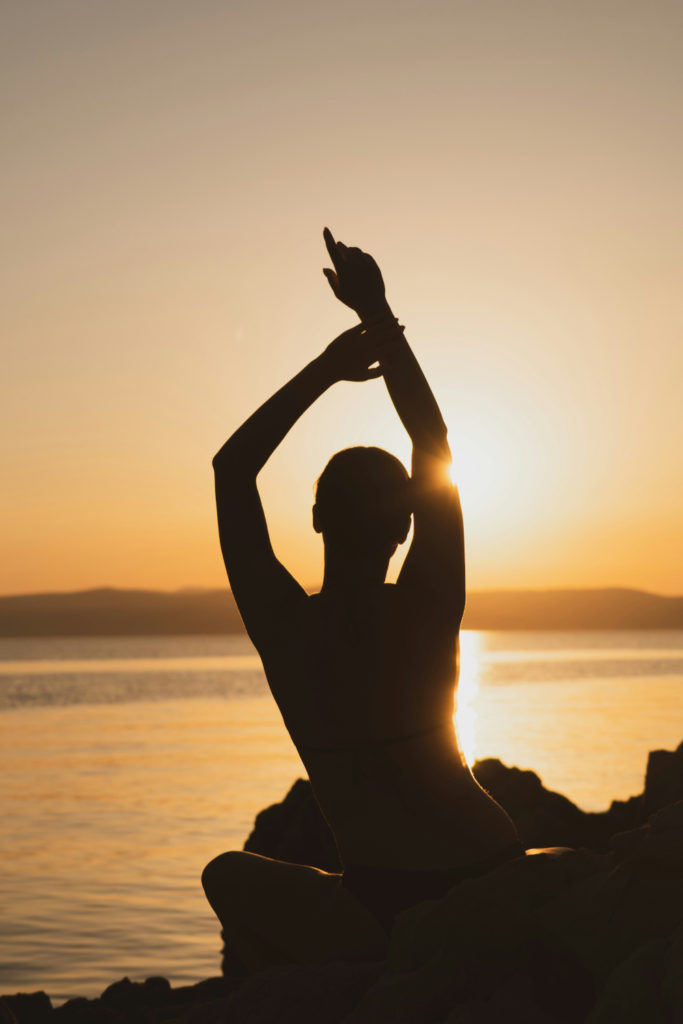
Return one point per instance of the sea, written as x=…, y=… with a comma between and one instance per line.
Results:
x=127, y=763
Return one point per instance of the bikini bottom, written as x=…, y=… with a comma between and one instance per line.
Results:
x=385, y=892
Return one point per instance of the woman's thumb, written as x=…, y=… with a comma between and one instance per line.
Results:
x=331, y=279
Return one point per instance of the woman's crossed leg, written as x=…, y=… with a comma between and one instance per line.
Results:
x=273, y=913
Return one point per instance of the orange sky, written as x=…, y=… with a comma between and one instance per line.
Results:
x=168, y=168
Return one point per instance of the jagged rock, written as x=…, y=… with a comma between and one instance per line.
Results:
x=543, y=818
x=633, y=993
x=557, y=927
x=659, y=843
x=323, y=993
x=151, y=1002
x=128, y=996
x=482, y=942
x=86, y=1011
x=295, y=830
x=25, y=1008
x=663, y=780
x=512, y=1003
x=672, y=981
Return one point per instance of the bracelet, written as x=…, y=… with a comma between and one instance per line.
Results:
x=379, y=318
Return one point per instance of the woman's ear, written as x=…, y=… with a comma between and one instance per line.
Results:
x=316, y=520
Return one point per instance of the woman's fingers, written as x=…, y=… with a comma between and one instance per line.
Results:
x=373, y=372
x=330, y=243
x=332, y=279
x=332, y=248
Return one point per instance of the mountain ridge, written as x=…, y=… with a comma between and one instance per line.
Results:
x=110, y=611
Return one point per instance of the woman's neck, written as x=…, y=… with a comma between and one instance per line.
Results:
x=350, y=571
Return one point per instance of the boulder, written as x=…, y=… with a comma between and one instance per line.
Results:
x=543, y=818
x=323, y=993
x=25, y=1008
x=663, y=780
x=151, y=1002
x=296, y=831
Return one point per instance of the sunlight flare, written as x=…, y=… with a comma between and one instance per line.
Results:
x=465, y=716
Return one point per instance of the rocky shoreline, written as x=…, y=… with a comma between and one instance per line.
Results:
x=592, y=935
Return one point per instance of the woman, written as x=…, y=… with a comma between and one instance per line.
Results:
x=364, y=672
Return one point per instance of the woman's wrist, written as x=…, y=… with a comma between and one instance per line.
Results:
x=324, y=371
x=378, y=311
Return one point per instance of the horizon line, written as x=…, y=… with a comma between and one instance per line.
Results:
x=189, y=589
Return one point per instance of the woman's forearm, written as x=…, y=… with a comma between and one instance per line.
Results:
x=357, y=282
x=252, y=444
x=413, y=398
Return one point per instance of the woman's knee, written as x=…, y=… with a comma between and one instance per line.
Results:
x=219, y=877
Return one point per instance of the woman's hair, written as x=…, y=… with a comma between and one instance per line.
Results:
x=362, y=499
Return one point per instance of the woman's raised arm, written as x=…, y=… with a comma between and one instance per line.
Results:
x=435, y=563
x=259, y=582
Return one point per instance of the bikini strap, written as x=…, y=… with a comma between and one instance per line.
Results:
x=385, y=742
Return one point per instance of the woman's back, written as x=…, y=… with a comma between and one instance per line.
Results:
x=365, y=680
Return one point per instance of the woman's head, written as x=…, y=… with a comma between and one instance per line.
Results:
x=362, y=501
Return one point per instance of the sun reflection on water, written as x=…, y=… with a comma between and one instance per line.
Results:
x=465, y=715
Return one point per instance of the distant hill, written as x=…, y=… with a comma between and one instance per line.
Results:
x=110, y=612
x=614, y=608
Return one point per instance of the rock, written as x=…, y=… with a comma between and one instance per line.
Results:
x=86, y=1011
x=296, y=831
x=323, y=993
x=658, y=844
x=672, y=980
x=128, y=996
x=543, y=818
x=511, y=1004
x=663, y=780
x=482, y=942
x=152, y=1002
x=633, y=993
x=25, y=1008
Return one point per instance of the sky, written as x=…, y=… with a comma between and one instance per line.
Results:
x=168, y=168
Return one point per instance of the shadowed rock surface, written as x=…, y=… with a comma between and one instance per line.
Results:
x=589, y=936
x=295, y=830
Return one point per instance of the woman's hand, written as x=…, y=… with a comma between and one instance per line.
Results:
x=356, y=279
x=353, y=354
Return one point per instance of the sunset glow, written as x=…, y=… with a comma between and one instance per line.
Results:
x=162, y=275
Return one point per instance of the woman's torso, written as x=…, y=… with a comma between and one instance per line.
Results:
x=365, y=683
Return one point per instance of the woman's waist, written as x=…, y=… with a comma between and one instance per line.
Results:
x=343, y=741
x=421, y=849
x=414, y=827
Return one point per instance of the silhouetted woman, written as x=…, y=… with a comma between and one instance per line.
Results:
x=364, y=672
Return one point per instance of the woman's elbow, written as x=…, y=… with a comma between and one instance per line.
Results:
x=231, y=464
x=225, y=458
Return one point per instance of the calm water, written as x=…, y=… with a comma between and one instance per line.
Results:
x=127, y=763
